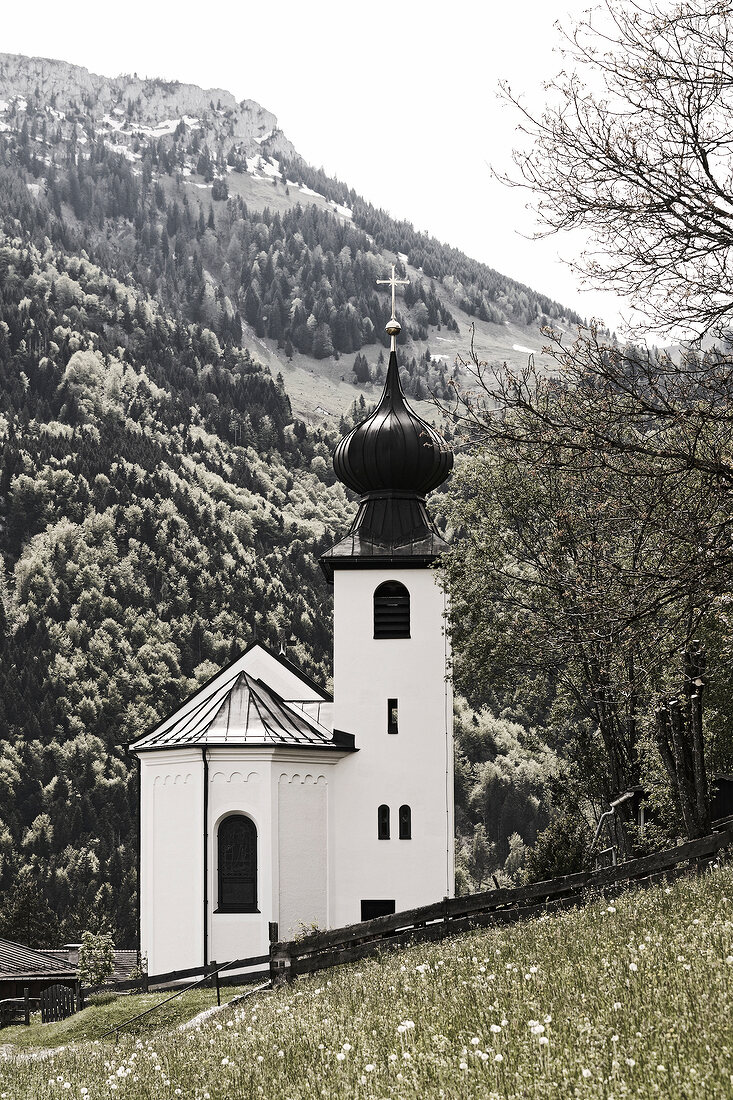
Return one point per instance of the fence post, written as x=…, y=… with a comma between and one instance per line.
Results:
x=79, y=997
x=281, y=964
x=218, y=992
x=27, y=1005
x=273, y=932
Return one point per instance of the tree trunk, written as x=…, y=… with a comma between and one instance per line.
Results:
x=679, y=734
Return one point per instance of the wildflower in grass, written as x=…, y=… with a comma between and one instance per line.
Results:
x=340, y=1057
x=633, y=966
x=498, y=1057
x=496, y=1028
x=630, y=1062
x=475, y=1042
x=587, y=1073
x=544, y=1041
x=463, y=1065
x=369, y=1068
x=729, y=960
x=346, y=1047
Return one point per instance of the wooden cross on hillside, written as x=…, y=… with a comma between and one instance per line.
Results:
x=393, y=282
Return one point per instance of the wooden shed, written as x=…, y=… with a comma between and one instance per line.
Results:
x=23, y=968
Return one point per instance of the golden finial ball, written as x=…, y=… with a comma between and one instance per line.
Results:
x=393, y=327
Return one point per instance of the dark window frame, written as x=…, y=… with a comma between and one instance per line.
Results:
x=383, y=823
x=371, y=908
x=230, y=883
x=405, y=823
x=392, y=716
x=391, y=610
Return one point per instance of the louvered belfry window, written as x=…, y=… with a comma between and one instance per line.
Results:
x=237, y=851
x=391, y=611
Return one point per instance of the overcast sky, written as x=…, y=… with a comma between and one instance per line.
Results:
x=397, y=99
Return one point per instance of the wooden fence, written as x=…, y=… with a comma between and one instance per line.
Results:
x=17, y=1010
x=58, y=1002
x=448, y=917
x=454, y=915
x=220, y=974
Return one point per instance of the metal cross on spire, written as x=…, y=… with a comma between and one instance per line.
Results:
x=393, y=326
x=393, y=282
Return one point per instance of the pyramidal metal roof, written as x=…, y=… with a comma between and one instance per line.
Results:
x=237, y=708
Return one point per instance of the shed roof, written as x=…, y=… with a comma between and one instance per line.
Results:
x=18, y=961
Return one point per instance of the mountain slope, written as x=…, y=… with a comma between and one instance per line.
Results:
x=187, y=314
x=143, y=170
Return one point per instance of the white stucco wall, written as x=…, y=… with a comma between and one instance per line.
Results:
x=303, y=851
x=240, y=783
x=285, y=792
x=413, y=767
x=171, y=859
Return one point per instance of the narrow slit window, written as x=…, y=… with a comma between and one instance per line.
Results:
x=383, y=823
x=405, y=823
x=391, y=611
x=392, y=716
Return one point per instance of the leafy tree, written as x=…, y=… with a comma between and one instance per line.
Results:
x=96, y=957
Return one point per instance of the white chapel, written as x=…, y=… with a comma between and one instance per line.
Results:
x=263, y=799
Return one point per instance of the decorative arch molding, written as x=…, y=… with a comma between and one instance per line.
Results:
x=234, y=776
x=172, y=779
x=308, y=778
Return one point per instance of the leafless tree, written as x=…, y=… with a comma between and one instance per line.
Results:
x=635, y=146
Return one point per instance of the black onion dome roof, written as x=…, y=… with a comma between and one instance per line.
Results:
x=393, y=450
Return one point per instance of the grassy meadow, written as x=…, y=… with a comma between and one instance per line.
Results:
x=627, y=998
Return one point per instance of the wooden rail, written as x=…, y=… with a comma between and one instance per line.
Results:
x=172, y=978
x=448, y=917
x=454, y=915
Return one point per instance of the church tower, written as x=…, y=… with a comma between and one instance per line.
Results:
x=391, y=821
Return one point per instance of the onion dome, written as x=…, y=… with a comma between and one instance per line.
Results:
x=392, y=460
x=393, y=450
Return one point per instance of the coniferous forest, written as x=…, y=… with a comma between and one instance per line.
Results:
x=160, y=503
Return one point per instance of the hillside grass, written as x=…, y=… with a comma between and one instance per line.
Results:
x=106, y=1010
x=627, y=998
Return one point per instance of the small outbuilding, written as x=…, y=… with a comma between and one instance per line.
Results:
x=23, y=968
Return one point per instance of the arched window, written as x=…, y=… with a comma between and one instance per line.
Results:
x=405, y=823
x=237, y=863
x=391, y=611
x=383, y=823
